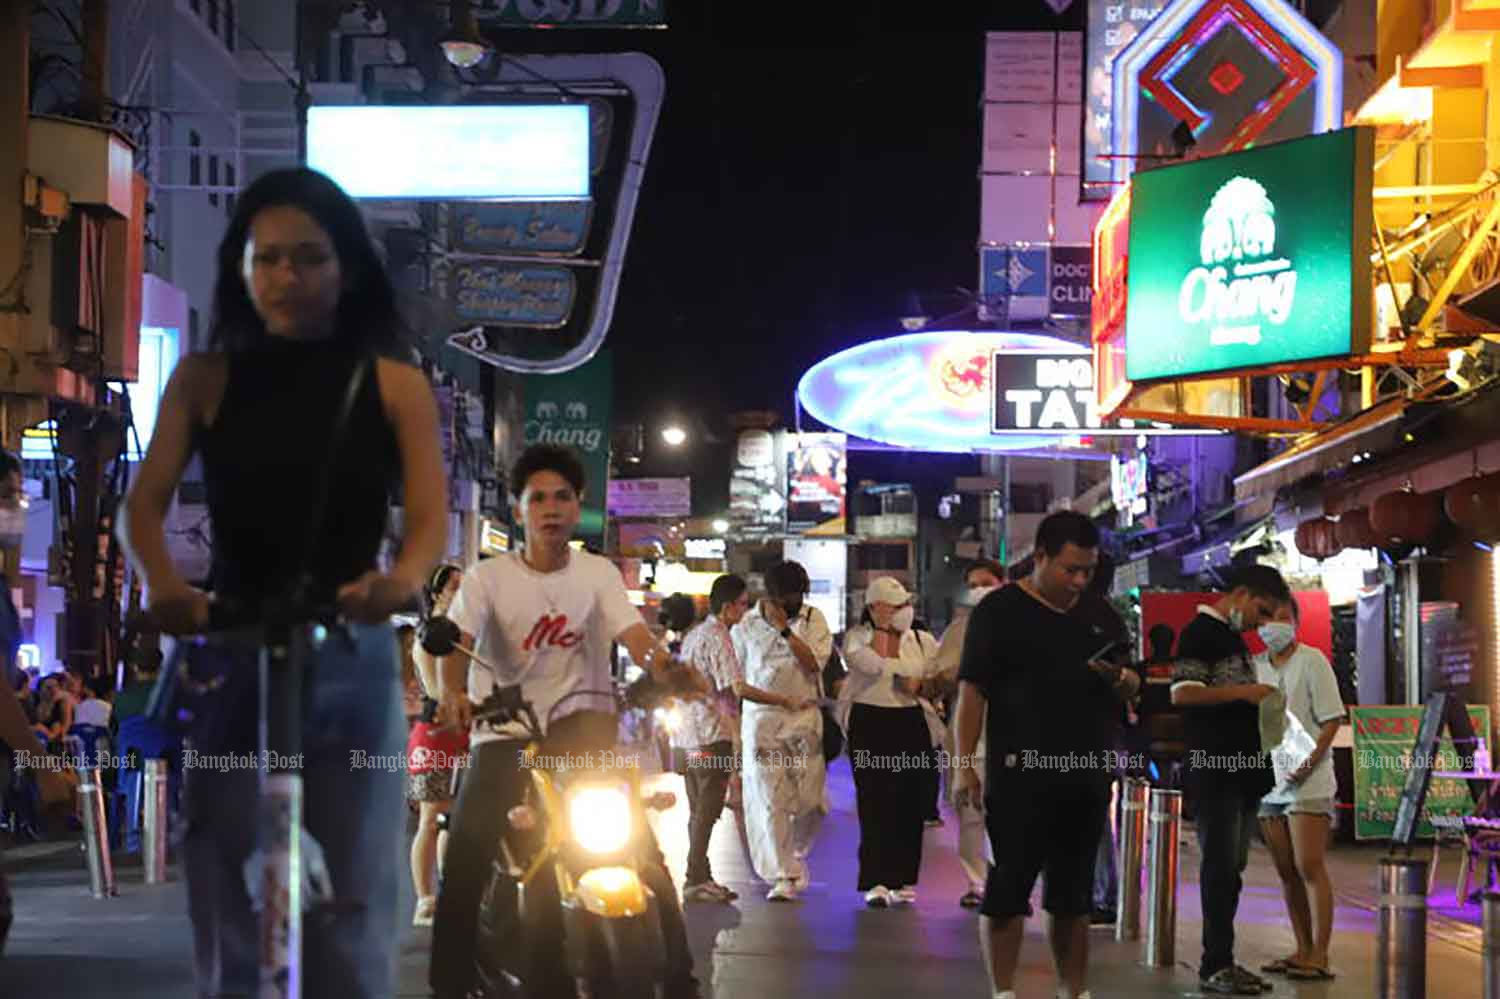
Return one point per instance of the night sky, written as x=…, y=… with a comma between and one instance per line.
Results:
x=814, y=165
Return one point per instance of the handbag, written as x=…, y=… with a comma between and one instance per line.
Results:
x=203, y=690
x=833, y=736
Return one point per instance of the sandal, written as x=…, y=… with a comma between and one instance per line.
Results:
x=1309, y=973
x=1280, y=966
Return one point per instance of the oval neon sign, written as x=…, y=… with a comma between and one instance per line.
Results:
x=927, y=391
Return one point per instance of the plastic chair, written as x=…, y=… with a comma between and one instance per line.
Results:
x=140, y=741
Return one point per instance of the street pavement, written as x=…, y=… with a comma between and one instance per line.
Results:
x=67, y=944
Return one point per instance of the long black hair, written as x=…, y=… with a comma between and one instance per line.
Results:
x=367, y=312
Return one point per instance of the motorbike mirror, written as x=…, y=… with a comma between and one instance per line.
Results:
x=439, y=636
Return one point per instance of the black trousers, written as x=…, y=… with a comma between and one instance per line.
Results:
x=707, y=778
x=1226, y=819
x=496, y=783
x=888, y=750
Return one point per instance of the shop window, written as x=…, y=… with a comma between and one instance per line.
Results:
x=213, y=180
x=195, y=160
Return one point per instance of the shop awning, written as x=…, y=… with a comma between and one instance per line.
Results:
x=1375, y=430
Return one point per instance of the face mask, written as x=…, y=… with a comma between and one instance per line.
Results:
x=901, y=621
x=1278, y=635
x=12, y=526
x=1236, y=619
x=978, y=593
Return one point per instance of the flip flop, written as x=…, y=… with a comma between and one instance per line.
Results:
x=1280, y=966
x=1301, y=973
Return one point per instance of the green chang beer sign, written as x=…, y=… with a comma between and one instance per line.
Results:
x=1383, y=741
x=573, y=409
x=1252, y=258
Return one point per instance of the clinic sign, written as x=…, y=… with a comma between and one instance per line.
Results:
x=1250, y=259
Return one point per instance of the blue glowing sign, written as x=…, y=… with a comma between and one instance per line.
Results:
x=960, y=391
x=928, y=391
x=501, y=151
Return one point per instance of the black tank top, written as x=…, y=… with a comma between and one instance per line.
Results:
x=266, y=456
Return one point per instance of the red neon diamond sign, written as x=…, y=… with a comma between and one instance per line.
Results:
x=1226, y=78
x=1217, y=15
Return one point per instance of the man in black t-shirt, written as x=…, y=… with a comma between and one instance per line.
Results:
x=1036, y=655
x=1227, y=773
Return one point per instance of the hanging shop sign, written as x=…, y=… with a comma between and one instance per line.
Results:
x=1383, y=740
x=946, y=391
x=1251, y=259
x=817, y=470
x=546, y=227
x=580, y=14
x=650, y=497
x=1219, y=76
x=513, y=295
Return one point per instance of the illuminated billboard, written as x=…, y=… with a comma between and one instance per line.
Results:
x=1251, y=259
x=453, y=152
x=961, y=391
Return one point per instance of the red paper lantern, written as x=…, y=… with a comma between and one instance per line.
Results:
x=1474, y=504
x=1317, y=538
x=1406, y=518
x=1354, y=530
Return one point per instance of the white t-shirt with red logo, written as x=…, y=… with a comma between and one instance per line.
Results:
x=550, y=632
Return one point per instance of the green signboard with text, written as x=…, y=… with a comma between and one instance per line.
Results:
x=573, y=409
x=1383, y=741
x=1251, y=259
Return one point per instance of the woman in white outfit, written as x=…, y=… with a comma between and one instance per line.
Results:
x=889, y=740
x=783, y=644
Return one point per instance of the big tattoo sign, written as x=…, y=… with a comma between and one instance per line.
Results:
x=1251, y=259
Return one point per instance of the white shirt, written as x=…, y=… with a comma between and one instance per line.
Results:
x=550, y=632
x=768, y=660
x=93, y=712
x=709, y=649
x=872, y=677
x=1313, y=699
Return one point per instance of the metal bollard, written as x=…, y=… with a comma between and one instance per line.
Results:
x=96, y=834
x=1164, y=824
x=1401, y=948
x=1132, y=842
x=1491, y=945
x=154, y=849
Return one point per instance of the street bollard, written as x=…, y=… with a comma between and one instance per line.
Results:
x=154, y=849
x=96, y=834
x=1132, y=842
x=1164, y=824
x=1491, y=945
x=1401, y=947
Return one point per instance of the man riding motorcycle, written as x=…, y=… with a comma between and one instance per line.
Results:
x=544, y=618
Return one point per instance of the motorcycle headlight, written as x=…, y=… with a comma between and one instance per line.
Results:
x=600, y=818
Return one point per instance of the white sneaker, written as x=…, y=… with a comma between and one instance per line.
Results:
x=904, y=896
x=1063, y=993
x=1007, y=994
x=784, y=890
x=878, y=897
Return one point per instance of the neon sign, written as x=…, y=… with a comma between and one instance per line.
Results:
x=936, y=391
x=1271, y=267
x=1232, y=72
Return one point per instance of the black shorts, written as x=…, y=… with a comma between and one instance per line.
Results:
x=1041, y=824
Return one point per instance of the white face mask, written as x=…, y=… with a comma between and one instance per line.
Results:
x=1236, y=619
x=1278, y=635
x=977, y=594
x=901, y=621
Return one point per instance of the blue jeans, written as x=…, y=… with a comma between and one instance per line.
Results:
x=355, y=814
x=1226, y=825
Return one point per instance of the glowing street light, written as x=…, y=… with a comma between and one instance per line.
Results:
x=721, y=526
x=674, y=436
